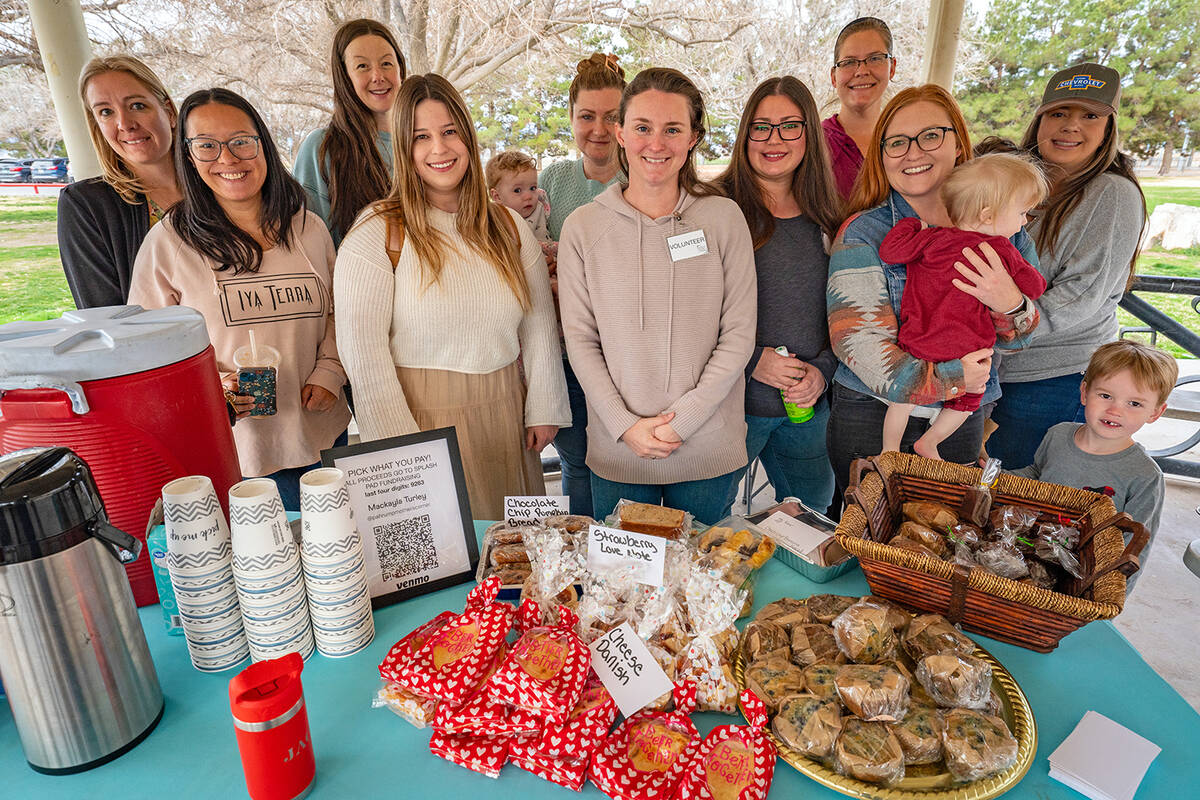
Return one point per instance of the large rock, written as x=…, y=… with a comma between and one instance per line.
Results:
x=1174, y=227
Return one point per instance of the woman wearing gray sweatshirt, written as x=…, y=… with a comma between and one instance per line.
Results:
x=1087, y=235
x=657, y=288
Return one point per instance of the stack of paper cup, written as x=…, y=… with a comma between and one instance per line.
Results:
x=334, y=573
x=266, y=569
x=199, y=562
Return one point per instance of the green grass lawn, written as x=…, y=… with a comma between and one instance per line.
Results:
x=1155, y=194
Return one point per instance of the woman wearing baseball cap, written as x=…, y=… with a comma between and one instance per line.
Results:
x=1087, y=235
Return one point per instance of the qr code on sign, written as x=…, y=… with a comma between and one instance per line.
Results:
x=406, y=547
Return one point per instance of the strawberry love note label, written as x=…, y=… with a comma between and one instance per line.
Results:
x=627, y=669
x=612, y=549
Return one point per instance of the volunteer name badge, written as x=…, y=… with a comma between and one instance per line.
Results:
x=628, y=670
x=532, y=509
x=644, y=556
x=687, y=245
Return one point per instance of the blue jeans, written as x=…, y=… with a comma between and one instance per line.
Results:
x=705, y=499
x=288, y=480
x=794, y=456
x=571, y=444
x=1026, y=411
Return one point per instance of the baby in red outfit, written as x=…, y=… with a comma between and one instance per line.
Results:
x=987, y=199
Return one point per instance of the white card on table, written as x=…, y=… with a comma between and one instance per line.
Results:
x=687, y=245
x=609, y=548
x=797, y=536
x=532, y=509
x=628, y=670
x=1104, y=757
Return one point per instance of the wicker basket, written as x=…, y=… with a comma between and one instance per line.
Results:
x=1003, y=609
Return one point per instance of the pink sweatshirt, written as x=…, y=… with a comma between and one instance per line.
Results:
x=289, y=304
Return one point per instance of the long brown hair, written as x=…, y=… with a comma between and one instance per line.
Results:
x=597, y=71
x=813, y=185
x=349, y=160
x=872, y=186
x=1066, y=194
x=671, y=81
x=479, y=221
x=114, y=170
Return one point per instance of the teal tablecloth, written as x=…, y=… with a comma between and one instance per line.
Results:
x=371, y=753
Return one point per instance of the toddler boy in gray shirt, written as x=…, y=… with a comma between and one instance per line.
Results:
x=1125, y=387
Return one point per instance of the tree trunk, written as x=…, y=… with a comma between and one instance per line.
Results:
x=1168, y=155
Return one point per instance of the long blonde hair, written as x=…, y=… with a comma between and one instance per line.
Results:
x=479, y=221
x=115, y=171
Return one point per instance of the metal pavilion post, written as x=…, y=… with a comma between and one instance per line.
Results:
x=65, y=48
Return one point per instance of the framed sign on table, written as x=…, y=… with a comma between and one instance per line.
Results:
x=409, y=499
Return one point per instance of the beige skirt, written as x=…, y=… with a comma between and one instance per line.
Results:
x=488, y=414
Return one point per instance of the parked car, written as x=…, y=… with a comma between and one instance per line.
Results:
x=49, y=170
x=15, y=170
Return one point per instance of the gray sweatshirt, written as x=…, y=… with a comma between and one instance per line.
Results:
x=1086, y=273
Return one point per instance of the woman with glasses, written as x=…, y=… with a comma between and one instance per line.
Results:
x=347, y=165
x=779, y=175
x=592, y=101
x=1087, y=234
x=102, y=221
x=443, y=297
x=242, y=250
x=657, y=287
x=863, y=65
x=920, y=137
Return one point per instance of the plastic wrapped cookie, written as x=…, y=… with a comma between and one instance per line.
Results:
x=865, y=634
x=819, y=679
x=926, y=536
x=920, y=735
x=874, y=692
x=815, y=644
x=785, y=612
x=762, y=639
x=977, y=745
x=956, y=681
x=773, y=679
x=933, y=633
x=826, y=607
x=868, y=751
x=809, y=724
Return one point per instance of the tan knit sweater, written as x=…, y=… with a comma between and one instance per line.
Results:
x=646, y=334
x=288, y=303
x=469, y=321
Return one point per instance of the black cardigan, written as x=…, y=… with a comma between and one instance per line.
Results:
x=98, y=238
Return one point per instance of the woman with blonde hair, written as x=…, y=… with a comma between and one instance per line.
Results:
x=919, y=139
x=439, y=291
x=102, y=221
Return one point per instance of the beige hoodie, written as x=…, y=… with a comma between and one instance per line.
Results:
x=647, y=334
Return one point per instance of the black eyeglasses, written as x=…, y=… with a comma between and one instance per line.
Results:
x=873, y=60
x=788, y=131
x=202, y=148
x=928, y=140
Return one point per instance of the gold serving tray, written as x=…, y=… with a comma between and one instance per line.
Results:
x=930, y=781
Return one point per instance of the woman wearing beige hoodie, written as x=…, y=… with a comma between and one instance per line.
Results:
x=657, y=286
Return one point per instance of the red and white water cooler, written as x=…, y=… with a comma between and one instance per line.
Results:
x=135, y=393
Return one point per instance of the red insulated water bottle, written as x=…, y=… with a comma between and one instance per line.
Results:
x=272, y=728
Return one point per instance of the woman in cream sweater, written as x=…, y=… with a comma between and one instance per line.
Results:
x=657, y=285
x=439, y=291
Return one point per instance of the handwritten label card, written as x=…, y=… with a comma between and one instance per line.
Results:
x=609, y=548
x=533, y=509
x=628, y=670
x=802, y=539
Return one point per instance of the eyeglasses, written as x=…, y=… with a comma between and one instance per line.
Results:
x=928, y=140
x=788, y=131
x=873, y=60
x=202, y=148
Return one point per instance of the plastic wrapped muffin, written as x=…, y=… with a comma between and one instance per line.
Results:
x=932, y=633
x=809, y=724
x=956, y=681
x=868, y=751
x=826, y=607
x=762, y=639
x=785, y=612
x=977, y=745
x=774, y=679
x=920, y=735
x=819, y=679
x=873, y=692
x=925, y=535
x=865, y=634
x=815, y=644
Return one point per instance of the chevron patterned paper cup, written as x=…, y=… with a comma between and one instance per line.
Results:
x=262, y=541
x=197, y=534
